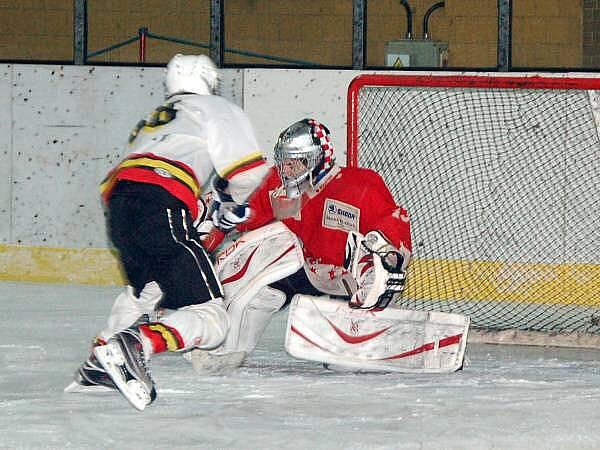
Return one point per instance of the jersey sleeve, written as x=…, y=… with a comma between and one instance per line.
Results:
x=261, y=211
x=235, y=153
x=383, y=214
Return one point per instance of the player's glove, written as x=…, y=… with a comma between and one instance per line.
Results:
x=226, y=214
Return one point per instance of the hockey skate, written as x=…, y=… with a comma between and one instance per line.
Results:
x=91, y=377
x=124, y=361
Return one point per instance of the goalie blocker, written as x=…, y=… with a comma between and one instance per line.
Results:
x=393, y=340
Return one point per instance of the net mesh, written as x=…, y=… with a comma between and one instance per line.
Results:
x=502, y=186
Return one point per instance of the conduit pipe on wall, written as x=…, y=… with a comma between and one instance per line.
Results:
x=426, y=18
x=409, y=18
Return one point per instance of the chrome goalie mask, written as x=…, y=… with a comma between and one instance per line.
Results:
x=196, y=74
x=303, y=154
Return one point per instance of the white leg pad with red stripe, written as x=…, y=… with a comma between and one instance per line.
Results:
x=246, y=268
x=392, y=339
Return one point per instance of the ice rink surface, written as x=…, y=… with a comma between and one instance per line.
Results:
x=505, y=398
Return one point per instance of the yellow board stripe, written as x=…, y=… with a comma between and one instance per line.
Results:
x=576, y=284
x=59, y=265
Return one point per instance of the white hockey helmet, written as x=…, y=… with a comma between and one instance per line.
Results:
x=191, y=73
x=303, y=153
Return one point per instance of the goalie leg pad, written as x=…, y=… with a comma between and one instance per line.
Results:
x=250, y=318
x=257, y=259
x=391, y=340
x=248, y=323
x=246, y=268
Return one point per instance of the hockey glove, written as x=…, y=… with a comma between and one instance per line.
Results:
x=226, y=214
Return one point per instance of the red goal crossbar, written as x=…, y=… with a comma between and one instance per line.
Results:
x=449, y=81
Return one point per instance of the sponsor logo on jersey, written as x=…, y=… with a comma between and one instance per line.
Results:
x=340, y=216
x=163, y=172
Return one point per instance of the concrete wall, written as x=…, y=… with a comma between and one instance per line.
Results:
x=64, y=127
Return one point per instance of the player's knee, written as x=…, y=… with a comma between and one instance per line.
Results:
x=128, y=308
x=203, y=326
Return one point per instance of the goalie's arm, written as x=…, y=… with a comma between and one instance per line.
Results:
x=384, y=215
x=383, y=249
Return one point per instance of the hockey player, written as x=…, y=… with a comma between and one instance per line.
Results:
x=153, y=204
x=342, y=223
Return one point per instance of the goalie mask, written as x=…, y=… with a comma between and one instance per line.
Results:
x=196, y=74
x=303, y=155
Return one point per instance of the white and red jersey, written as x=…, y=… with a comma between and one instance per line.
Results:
x=348, y=199
x=185, y=141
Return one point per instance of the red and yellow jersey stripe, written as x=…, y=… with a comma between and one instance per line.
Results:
x=173, y=176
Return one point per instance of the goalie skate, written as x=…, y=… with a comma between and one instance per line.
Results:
x=123, y=359
x=207, y=363
x=91, y=377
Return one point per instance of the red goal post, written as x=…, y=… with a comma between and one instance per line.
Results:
x=501, y=175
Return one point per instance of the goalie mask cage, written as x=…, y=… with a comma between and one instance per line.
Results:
x=501, y=177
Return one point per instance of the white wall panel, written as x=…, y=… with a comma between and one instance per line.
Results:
x=70, y=129
x=71, y=126
x=275, y=99
x=5, y=152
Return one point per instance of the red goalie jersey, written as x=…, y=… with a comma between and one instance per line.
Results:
x=347, y=199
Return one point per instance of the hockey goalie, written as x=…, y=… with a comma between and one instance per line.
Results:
x=331, y=244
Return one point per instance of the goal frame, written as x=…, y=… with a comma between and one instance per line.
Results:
x=483, y=80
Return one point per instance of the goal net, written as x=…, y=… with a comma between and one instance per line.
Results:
x=501, y=177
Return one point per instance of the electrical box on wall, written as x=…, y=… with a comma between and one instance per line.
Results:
x=416, y=53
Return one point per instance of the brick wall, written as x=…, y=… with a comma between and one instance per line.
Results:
x=591, y=33
x=36, y=29
x=546, y=33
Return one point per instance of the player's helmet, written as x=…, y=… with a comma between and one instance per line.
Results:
x=303, y=154
x=191, y=73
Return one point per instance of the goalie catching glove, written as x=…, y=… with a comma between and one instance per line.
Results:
x=378, y=267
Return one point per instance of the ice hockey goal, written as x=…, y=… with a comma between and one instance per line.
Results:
x=501, y=176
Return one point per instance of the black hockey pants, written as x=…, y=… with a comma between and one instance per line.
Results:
x=153, y=233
